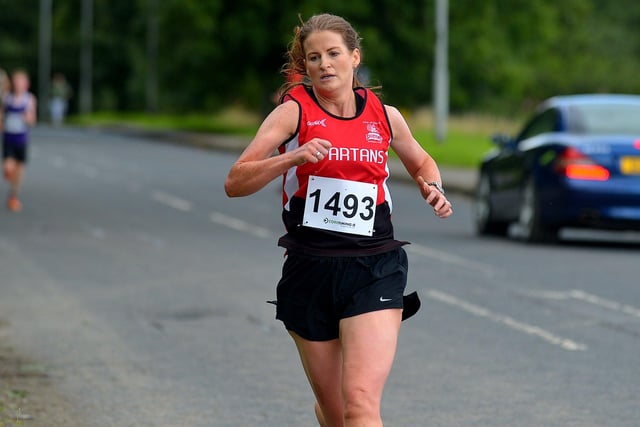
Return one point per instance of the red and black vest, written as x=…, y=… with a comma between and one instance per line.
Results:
x=359, y=152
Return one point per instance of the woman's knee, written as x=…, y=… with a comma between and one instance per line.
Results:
x=8, y=169
x=361, y=404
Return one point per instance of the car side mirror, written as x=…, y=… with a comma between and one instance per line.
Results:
x=502, y=140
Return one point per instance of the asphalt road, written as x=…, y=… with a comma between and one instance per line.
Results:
x=141, y=288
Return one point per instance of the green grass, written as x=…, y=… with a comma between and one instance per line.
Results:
x=459, y=149
x=467, y=140
x=468, y=137
x=232, y=121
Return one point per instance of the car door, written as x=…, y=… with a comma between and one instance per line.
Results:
x=512, y=165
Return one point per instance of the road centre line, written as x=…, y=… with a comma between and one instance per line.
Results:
x=239, y=225
x=508, y=321
x=583, y=296
x=606, y=303
x=451, y=259
x=171, y=201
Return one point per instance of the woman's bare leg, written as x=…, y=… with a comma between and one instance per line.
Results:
x=322, y=362
x=13, y=172
x=348, y=375
x=369, y=344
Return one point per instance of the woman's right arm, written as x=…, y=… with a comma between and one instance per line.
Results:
x=257, y=166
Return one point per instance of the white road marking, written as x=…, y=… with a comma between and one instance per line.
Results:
x=508, y=321
x=583, y=296
x=239, y=225
x=171, y=201
x=451, y=259
x=550, y=295
x=606, y=303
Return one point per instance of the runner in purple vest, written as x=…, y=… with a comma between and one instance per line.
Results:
x=17, y=115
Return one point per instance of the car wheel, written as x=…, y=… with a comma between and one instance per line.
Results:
x=533, y=230
x=483, y=214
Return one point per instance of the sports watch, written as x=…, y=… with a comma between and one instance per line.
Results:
x=437, y=185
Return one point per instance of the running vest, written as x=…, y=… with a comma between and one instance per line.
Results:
x=15, y=126
x=341, y=205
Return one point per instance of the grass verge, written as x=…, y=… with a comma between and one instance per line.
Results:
x=232, y=121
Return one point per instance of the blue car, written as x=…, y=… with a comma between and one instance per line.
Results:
x=576, y=164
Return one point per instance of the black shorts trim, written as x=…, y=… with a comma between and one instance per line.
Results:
x=316, y=292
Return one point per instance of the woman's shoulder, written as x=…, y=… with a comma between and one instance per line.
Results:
x=283, y=120
x=288, y=106
x=393, y=112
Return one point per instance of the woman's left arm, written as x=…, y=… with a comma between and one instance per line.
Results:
x=418, y=163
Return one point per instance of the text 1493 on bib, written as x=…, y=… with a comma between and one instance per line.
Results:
x=340, y=205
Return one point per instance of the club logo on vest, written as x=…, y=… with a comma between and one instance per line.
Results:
x=373, y=134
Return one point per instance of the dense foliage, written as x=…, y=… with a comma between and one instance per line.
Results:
x=503, y=54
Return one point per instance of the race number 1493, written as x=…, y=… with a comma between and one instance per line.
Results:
x=340, y=205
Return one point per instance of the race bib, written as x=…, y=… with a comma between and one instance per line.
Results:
x=340, y=205
x=14, y=123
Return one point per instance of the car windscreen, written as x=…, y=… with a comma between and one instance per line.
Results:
x=599, y=119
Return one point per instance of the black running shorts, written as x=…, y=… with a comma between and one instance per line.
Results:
x=13, y=151
x=316, y=292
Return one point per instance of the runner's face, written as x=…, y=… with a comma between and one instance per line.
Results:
x=330, y=64
x=20, y=83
